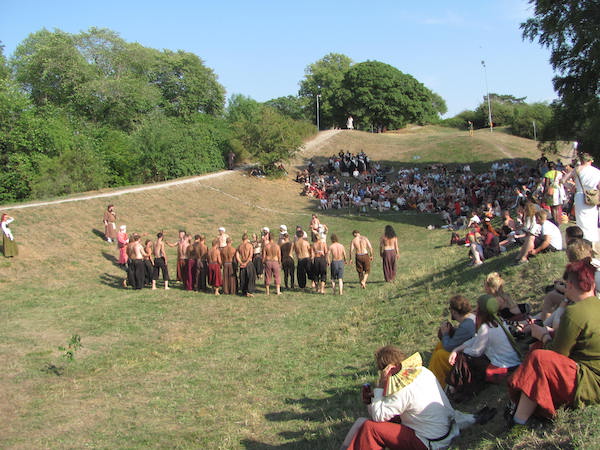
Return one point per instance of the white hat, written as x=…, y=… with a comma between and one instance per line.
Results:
x=265, y=229
x=123, y=227
x=283, y=228
x=221, y=229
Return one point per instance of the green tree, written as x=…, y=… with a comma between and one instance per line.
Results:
x=380, y=95
x=290, y=106
x=524, y=116
x=324, y=78
x=270, y=137
x=50, y=67
x=4, y=69
x=187, y=85
x=570, y=30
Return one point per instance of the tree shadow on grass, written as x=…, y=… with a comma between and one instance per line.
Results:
x=334, y=413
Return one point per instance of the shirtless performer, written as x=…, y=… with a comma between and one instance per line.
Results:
x=314, y=225
x=182, y=245
x=129, y=268
x=137, y=256
x=244, y=256
x=148, y=261
x=272, y=260
x=302, y=251
x=229, y=271
x=287, y=260
x=337, y=259
x=363, y=251
x=319, y=252
x=190, y=255
x=160, y=261
x=201, y=263
x=214, y=267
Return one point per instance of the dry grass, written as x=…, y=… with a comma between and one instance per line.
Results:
x=180, y=369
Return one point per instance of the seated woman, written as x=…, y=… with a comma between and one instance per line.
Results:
x=408, y=409
x=450, y=337
x=491, y=348
x=507, y=308
x=567, y=371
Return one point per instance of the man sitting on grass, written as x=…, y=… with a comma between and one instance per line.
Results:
x=549, y=239
x=408, y=408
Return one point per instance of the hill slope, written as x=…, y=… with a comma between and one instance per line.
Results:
x=186, y=369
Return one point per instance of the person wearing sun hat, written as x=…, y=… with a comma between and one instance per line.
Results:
x=410, y=392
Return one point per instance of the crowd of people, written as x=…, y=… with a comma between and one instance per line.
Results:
x=354, y=181
x=216, y=265
x=547, y=360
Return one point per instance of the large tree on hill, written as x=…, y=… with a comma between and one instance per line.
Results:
x=571, y=30
x=324, y=78
x=379, y=95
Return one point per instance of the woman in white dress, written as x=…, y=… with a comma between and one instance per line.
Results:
x=586, y=177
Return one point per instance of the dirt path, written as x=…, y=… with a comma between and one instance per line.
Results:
x=310, y=145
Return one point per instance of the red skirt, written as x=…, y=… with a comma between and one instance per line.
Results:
x=546, y=377
x=214, y=275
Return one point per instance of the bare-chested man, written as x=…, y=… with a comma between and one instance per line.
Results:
x=244, y=255
x=148, y=261
x=302, y=251
x=337, y=260
x=287, y=260
x=190, y=268
x=314, y=225
x=214, y=267
x=363, y=255
x=182, y=245
x=319, y=252
x=137, y=257
x=229, y=271
x=272, y=260
x=201, y=251
x=160, y=261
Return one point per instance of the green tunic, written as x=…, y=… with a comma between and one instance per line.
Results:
x=578, y=337
x=9, y=247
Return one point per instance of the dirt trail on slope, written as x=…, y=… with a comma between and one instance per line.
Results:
x=310, y=145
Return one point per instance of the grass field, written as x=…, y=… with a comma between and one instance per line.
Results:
x=184, y=369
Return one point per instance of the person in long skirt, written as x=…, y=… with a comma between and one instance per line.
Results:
x=9, y=246
x=388, y=249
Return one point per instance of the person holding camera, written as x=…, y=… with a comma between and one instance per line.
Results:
x=450, y=337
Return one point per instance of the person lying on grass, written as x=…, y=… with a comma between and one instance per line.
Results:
x=408, y=409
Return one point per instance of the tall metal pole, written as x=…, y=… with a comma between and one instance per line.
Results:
x=534, y=132
x=488, y=97
x=318, y=125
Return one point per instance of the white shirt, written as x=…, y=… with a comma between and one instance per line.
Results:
x=6, y=229
x=422, y=406
x=549, y=229
x=492, y=342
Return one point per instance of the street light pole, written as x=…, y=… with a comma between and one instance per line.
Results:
x=488, y=97
x=318, y=125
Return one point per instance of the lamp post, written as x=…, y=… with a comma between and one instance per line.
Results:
x=318, y=125
x=488, y=97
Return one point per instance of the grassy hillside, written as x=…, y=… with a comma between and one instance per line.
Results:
x=188, y=370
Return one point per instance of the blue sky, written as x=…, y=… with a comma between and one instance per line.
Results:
x=261, y=48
